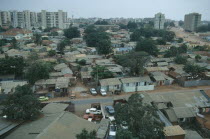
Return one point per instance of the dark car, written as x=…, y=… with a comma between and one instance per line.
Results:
x=109, y=109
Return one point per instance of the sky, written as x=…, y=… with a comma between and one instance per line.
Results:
x=173, y=9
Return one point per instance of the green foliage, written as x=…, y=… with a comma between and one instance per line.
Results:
x=150, y=32
x=180, y=40
x=90, y=29
x=2, y=29
x=194, y=70
x=32, y=58
x=124, y=134
x=142, y=119
x=71, y=32
x=14, y=43
x=52, y=53
x=181, y=23
x=38, y=70
x=3, y=42
x=54, y=33
x=100, y=40
x=203, y=28
x=22, y=105
x=200, y=48
x=197, y=58
x=174, y=51
x=132, y=25
x=11, y=65
x=99, y=22
x=61, y=46
x=82, y=62
x=148, y=46
x=45, y=38
x=161, y=42
x=48, y=29
x=134, y=61
x=101, y=72
x=180, y=59
x=38, y=39
x=85, y=135
x=123, y=26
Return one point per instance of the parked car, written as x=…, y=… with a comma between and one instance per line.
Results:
x=110, y=110
x=112, y=130
x=93, y=111
x=103, y=92
x=93, y=91
x=43, y=98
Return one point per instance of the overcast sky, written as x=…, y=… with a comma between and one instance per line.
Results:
x=173, y=9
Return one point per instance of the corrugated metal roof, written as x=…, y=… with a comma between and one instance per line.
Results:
x=110, y=81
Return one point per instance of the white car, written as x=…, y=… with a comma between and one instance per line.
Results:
x=93, y=91
x=112, y=130
x=103, y=92
x=93, y=111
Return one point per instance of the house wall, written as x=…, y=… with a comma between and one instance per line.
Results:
x=194, y=83
x=133, y=88
x=175, y=137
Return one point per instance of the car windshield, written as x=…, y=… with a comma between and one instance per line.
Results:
x=113, y=128
x=93, y=89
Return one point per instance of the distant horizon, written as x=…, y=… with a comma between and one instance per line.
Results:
x=174, y=10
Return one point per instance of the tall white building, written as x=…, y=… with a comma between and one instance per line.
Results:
x=192, y=21
x=27, y=19
x=159, y=21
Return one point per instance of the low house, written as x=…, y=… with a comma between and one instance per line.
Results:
x=137, y=84
x=160, y=79
x=174, y=132
x=18, y=34
x=159, y=69
x=8, y=87
x=110, y=84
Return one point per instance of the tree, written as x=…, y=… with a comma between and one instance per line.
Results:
x=52, y=53
x=14, y=43
x=99, y=22
x=22, y=105
x=124, y=134
x=82, y=62
x=132, y=25
x=33, y=56
x=180, y=59
x=148, y=46
x=12, y=65
x=61, y=46
x=197, y=58
x=180, y=40
x=142, y=118
x=194, y=70
x=181, y=23
x=104, y=46
x=161, y=42
x=174, y=51
x=3, y=42
x=135, y=61
x=38, y=70
x=71, y=32
x=101, y=72
x=38, y=39
x=85, y=135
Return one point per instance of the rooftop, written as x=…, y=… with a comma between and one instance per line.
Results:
x=173, y=131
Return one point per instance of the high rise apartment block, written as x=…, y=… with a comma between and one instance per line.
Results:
x=27, y=19
x=192, y=21
x=159, y=21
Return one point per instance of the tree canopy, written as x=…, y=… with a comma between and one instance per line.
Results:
x=38, y=70
x=52, y=53
x=180, y=59
x=174, y=51
x=135, y=61
x=101, y=72
x=12, y=65
x=38, y=39
x=86, y=135
x=148, y=46
x=71, y=32
x=22, y=105
x=132, y=25
x=194, y=70
x=101, y=22
x=203, y=28
x=141, y=118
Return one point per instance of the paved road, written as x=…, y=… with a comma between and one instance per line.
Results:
x=110, y=99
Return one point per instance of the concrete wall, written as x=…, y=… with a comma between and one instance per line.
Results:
x=194, y=83
x=133, y=88
x=145, y=88
x=111, y=88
